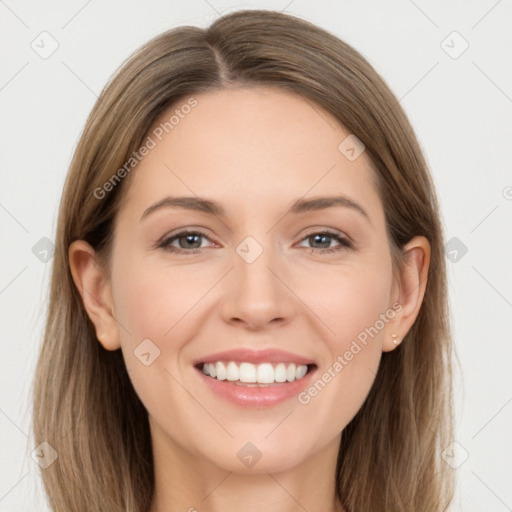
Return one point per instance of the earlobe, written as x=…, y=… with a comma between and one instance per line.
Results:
x=94, y=287
x=411, y=289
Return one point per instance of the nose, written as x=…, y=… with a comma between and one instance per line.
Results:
x=257, y=294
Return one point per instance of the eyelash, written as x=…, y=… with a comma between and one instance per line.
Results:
x=344, y=243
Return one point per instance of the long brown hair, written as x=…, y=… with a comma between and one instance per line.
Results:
x=84, y=404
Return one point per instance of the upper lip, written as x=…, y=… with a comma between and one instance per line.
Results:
x=255, y=356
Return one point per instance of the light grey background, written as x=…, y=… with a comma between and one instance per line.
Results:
x=460, y=108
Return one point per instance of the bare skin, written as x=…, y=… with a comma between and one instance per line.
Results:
x=255, y=151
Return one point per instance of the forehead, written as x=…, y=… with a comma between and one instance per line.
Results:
x=249, y=146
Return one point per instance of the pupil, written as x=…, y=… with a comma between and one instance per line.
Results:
x=316, y=237
x=190, y=238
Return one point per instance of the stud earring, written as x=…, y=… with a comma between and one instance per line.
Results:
x=395, y=338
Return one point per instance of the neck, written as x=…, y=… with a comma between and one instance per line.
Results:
x=186, y=482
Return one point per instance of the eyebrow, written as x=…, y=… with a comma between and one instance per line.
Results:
x=211, y=207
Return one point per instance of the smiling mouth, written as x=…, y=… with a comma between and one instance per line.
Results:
x=255, y=375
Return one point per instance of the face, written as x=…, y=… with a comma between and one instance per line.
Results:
x=261, y=282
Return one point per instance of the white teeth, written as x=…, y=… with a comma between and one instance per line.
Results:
x=220, y=369
x=246, y=372
x=264, y=373
x=290, y=372
x=280, y=373
x=232, y=371
x=300, y=371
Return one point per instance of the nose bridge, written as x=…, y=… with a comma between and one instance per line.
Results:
x=255, y=293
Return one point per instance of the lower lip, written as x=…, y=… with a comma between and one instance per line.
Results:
x=265, y=396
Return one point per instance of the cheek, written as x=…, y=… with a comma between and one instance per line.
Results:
x=354, y=309
x=156, y=303
x=151, y=299
x=361, y=308
x=352, y=303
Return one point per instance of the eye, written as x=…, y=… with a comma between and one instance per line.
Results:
x=324, y=238
x=188, y=242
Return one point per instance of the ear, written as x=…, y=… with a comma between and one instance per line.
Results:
x=94, y=288
x=410, y=291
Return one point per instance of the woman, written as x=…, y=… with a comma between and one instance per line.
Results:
x=252, y=367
